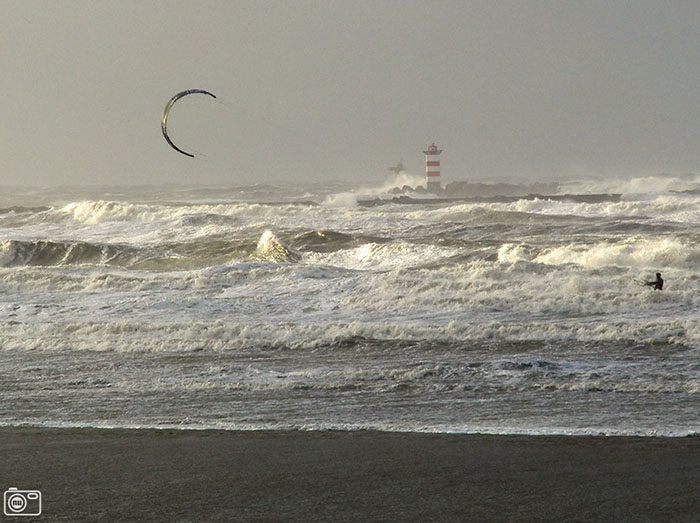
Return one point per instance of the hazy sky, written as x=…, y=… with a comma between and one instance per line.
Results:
x=344, y=89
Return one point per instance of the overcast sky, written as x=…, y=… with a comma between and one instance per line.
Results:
x=343, y=89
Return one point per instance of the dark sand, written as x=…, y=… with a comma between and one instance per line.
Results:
x=151, y=475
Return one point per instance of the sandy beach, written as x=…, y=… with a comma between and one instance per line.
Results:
x=163, y=475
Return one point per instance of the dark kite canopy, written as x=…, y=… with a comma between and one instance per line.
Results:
x=166, y=112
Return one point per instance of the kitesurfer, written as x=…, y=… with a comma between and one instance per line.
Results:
x=658, y=283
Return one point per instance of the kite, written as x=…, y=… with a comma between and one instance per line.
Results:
x=166, y=112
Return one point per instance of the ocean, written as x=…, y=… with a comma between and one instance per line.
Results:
x=298, y=307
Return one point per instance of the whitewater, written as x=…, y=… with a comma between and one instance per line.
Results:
x=297, y=307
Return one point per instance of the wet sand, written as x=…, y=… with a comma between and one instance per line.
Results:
x=161, y=475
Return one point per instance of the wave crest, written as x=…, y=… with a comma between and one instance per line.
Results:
x=270, y=248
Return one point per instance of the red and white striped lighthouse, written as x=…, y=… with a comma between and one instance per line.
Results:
x=432, y=168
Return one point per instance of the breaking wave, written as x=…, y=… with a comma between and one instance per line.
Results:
x=15, y=253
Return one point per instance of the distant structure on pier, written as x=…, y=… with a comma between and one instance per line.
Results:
x=398, y=168
x=432, y=169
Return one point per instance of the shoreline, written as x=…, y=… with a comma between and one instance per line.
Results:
x=106, y=474
x=334, y=429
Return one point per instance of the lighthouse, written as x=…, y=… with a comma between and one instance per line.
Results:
x=432, y=168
